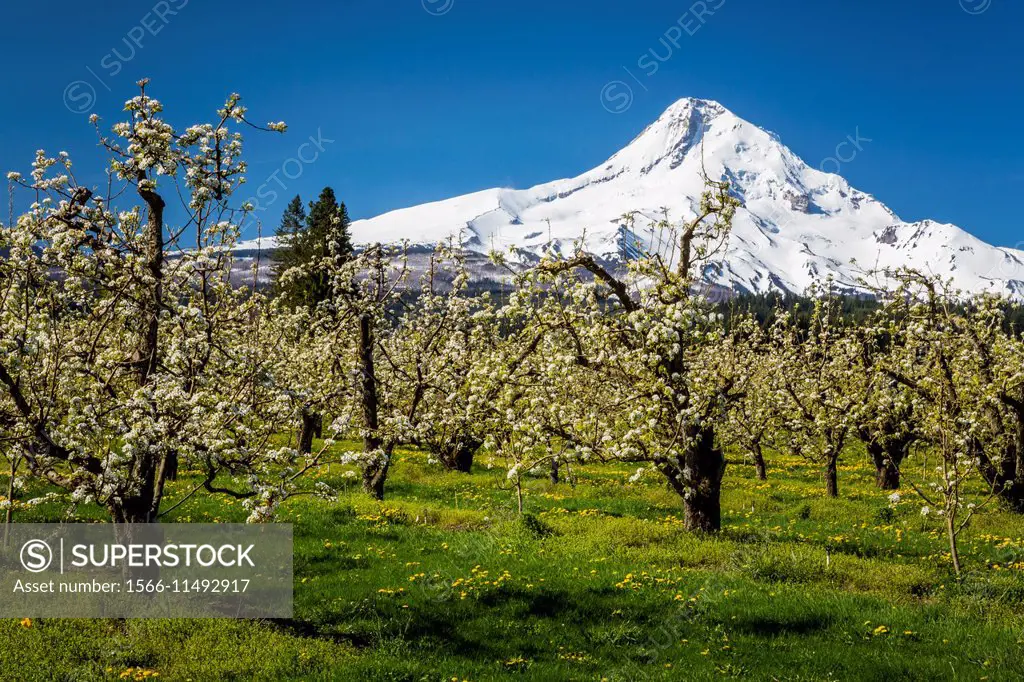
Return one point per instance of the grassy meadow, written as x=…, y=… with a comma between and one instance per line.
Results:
x=444, y=581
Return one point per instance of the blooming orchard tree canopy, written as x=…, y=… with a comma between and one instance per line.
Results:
x=640, y=349
x=124, y=355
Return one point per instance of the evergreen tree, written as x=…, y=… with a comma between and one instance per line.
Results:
x=287, y=254
x=311, y=242
x=306, y=240
x=328, y=234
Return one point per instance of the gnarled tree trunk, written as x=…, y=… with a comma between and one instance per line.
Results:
x=706, y=463
x=887, y=476
x=149, y=468
x=171, y=466
x=887, y=461
x=759, y=463
x=457, y=455
x=832, y=474
x=887, y=445
x=374, y=477
x=375, y=473
x=308, y=430
x=697, y=478
x=1005, y=479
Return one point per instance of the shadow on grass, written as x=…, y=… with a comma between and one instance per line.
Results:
x=772, y=626
x=327, y=563
x=310, y=630
x=473, y=629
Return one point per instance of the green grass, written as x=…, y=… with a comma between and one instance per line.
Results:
x=443, y=581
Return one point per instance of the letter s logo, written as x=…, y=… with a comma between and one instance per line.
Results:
x=36, y=556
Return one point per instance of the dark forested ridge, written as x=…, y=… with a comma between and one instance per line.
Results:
x=853, y=309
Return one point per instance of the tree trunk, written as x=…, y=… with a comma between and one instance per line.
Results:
x=759, y=463
x=832, y=474
x=888, y=459
x=375, y=472
x=464, y=459
x=1013, y=498
x=307, y=431
x=954, y=551
x=171, y=468
x=1010, y=489
x=706, y=464
x=9, y=514
x=1007, y=486
x=149, y=470
x=554, y=471
x=1003, y=477
x=133, y=509
x=148, y=360
x=374, y=476
x=458, y=455
x=143, y=505
x=127, y=535
x=887, y=476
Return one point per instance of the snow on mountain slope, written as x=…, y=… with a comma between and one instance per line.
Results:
x=797, y=224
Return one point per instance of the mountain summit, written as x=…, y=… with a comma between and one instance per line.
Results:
x=797, y=224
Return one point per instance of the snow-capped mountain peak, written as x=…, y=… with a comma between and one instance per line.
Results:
x=671, y=137
x=797, y=224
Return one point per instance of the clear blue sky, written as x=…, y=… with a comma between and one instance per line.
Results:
x=426, y=99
